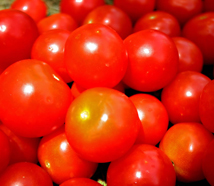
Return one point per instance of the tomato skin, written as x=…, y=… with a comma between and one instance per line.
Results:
x=34, y=99
x=25, y=173
x=98, y=128
x=86, y=56
x=208, y=5
x=80, y=182
x=186, y=149
x=159, y=20
x=18, y=31
x=143, y=165
x=148, y=49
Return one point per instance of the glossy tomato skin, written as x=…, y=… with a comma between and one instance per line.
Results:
x=34, y=99
x=159, y=20
x=95, y=56
x=181, y=10
x=143, y=165
x=80, y=182
x=49, y=47
x=200, y=30
x=185, y=143
x=61, y=162
x=98, y=128
x=190, y=56
x=57, y=21
x=206, y=106
x=153, y=116
x=37, y=9
x=18, y=31
x=181, y=97
x=79, y=9
x=153, y=60
x=25, y=173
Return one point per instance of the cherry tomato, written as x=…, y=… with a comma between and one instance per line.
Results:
x=79, y=9
x=25, y=173
x=159, y=20
x=153, y=60
x=143, y=165
x=57, y=21
x=208, y=5
x=200, y=30
x=153, y=116
x=181, y=97
x=80, y=182
x=184, y=144
x=95, y=56
x=49, y=47
x=37, y=9
x=34, y=99
x=101, y=124
x=18, y=31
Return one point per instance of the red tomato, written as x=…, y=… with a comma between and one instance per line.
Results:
x=143, y=165
x=95, y=56
x=18, y=31
x=180, y=9
x=5, y=151
x=57, y=21
x=181, y=97
x=80, y=182
x=79, y=9
x=153, y=60
x=101, y=124
x=135, y=8
x=208, y=5
x=25, y=173
x=34, y=99
x=184, y=144
x=159, y=20
x=200, y=30
x=153, y=116
x=190, y=56
x=49, y=47
x=111, y=16
x=37, y=9
x=206, y=106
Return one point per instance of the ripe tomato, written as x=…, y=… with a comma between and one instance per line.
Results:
x=143, y=165
x=80, y=182
x=34, y=99
x=208, y=5
x=25, y=173
x=181, y=96
x=95, y=56
x=159, y=20
x=184, y=144
x=101, y=124
x=153, y=60
x=18, y=31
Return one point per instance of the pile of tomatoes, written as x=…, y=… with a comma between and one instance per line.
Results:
x=107, y=93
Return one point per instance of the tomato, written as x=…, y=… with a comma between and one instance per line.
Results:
x=181, y=10
x=153, y=116
x=200, y=30
x=111, y=16
x=181, y=97
x=34, y=99
x=206, y=106
x=80, y=182
x=153, y=60
x=78, y=9
x=135, y=9
x=159, y=20
x=25, y=173
x=18, y=31
x=5, y=151
x=49, y=47
x=101, y=124
x=184, y=144
x=37, y=9
x=57, y=21
x=208, y=5
x=143, y=165
x=95, y=56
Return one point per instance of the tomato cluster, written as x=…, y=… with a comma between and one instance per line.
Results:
x=107, y=93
